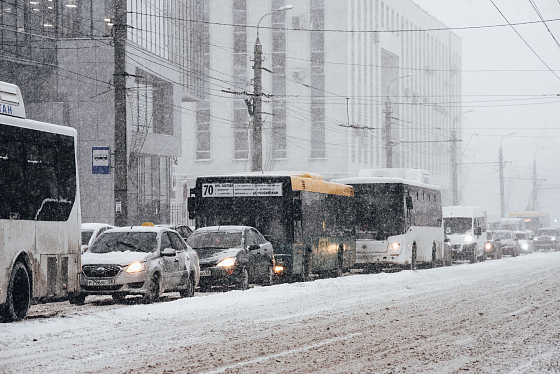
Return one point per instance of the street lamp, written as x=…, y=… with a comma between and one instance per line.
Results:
x=502, y=200
x=454, y=168
x=388, y=130
x=256, y=156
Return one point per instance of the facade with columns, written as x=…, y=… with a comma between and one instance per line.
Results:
x=343, y=83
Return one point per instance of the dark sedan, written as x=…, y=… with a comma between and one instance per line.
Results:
x=510, y=244
x=232, y=256
x=547, y=239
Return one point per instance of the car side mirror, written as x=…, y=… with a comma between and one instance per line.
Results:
x=168, y=252
x=254, y=247
x=447, y=240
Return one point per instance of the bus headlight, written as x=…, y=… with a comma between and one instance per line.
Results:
x=488, y=246
x=395, y=247
x=468, y=238
x=226, y=262
x=136, y=267
x=525, y=246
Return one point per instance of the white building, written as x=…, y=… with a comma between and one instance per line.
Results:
x=331, y=69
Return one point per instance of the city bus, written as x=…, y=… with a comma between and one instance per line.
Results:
x=39, y=209
x=398, y=219
x=308, y=220
x=533, y=219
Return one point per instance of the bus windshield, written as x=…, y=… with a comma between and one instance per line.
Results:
x=457, y=225
x=380, y=211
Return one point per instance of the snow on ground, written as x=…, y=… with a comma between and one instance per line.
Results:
x=495, y=316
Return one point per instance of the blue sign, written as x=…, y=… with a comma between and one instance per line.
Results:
x=5, y=109
x=100, y=160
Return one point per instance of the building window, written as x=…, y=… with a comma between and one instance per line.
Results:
x=240, y=127
x=279, y=81
x=318, y=79
x=202, y=132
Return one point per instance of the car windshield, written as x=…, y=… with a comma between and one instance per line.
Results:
x=502, y=235
x=457, y=225
x=550, y=232
x=125, y=241
x=215, y=239
x=86, y=236
x=521, y=235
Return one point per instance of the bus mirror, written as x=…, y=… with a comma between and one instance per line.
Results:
x=409, y=204
x=191, y=205
x=477, y=231
x=298, y=211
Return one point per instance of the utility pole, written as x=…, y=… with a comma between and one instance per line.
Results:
x=256, y=155
x=120, y=145
x=535, y=188
x=502, y=199
x=454, y=167
x=454, y=163
x=388, y=133
x=501, y=160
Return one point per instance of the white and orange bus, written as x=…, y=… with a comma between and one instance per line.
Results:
x=39, y=209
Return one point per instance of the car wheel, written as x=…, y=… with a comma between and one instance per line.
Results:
x=18, y=298
x=243, y=283
x=269, y=278
x=189, y=291
x=474, y=257
x=153, y=290
x=118, y=297
x=79, y=299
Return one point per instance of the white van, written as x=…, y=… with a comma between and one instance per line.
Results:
x=465, y=228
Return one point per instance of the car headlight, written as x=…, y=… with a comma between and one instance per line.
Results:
x=226, y=262
x=468, y=238
x=395, y=247
x=488, y=246
x=553, y=239
x=136, y=267
x=525, y=246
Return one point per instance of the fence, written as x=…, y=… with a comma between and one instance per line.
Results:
x=179, y=215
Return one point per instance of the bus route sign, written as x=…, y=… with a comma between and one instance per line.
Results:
x=241, y=189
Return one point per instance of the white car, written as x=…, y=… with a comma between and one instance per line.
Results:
x=525, y=243
x=139, y=260
x=91, y=231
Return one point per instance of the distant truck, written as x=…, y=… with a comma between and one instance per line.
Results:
x=513, y=224
x=465, y=227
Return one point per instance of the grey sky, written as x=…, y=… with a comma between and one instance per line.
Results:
x=510, y=90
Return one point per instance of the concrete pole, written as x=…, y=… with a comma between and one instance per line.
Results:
x=388, y=135
x=502, y=198
x=454, y=171
x=256, y=154
x=120, y=147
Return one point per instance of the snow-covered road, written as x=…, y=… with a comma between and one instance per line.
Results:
x=498, y=316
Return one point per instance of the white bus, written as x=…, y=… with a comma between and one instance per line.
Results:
x=398, y=219
x=39, y=209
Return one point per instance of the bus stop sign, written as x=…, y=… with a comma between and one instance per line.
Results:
x=100, y=160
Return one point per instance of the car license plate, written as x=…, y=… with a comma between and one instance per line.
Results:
x=205, y=273
x=100, y=282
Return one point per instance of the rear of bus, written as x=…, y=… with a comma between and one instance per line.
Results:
x=39, y=211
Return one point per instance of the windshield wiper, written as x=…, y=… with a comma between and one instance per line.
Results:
x=129, y=245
